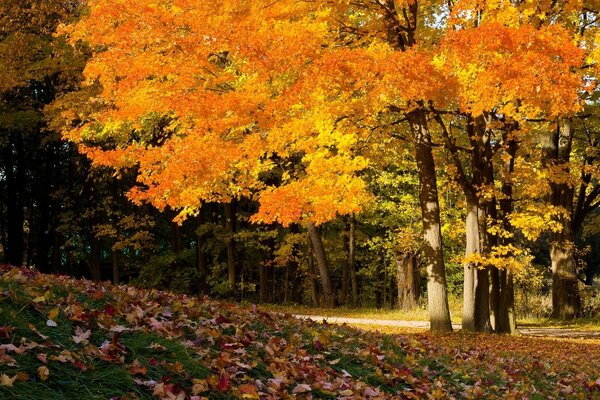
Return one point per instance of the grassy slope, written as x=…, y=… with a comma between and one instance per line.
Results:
x=129, y=343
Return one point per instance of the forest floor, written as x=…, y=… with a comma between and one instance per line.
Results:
x=418, y=318
x=526, y=330
x=62, y=338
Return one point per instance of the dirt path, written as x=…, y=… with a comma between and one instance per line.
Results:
x=527, y=331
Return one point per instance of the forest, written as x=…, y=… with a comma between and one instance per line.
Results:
x=389, y=154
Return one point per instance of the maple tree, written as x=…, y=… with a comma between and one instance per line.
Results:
x=235, y=95
x=285, y=114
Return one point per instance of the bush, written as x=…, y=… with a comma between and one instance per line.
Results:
x=171, y=271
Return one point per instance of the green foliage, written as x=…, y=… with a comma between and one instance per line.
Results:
x=172, y=271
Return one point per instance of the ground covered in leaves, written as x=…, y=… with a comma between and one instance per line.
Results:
x=62, y=338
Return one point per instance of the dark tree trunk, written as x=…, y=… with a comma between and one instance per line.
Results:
x=44, y=230
x=506, y=322
x=176, y=240
x=263, y=286
x=351, y=260
x=407, y=281
x=56, y=252
x=201, y=256
x=322, y=264
x=494, y=297
x=482, y=300
x=380, y=284
x=476, y=295
x=566, y=301
x=344, y=292
x=293, y=267
x=439, y=313
x=95, y=262
x=230, y=224
x=115, y=266
x=506, y=319
x=15, y=194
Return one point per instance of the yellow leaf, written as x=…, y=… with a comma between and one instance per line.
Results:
x=43, y=373
x=53, y=313
x=6, y=381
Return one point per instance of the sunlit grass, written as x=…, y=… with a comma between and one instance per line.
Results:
x=421, y=314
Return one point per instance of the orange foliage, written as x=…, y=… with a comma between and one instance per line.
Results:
x=267, y=99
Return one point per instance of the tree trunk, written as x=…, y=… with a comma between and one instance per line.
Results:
x=506, y=322
x=482, y=300
x=469, y=282
x=344, y=292
x=379, y=285
x=201, y=256
x=476, y=295
x=115, y=266
x=44, y=207
x=314, y=292
x=566, y=302
x=15, y=208
x=322, y=264
x=56, y=253
x=351, y=260
x=494, y=297
x=176, y=241
x=95, y=262
x=230, y=224
x=437, y=291
x=407, y=281
x=263, y=289
x=293, y=266
x=506, y=318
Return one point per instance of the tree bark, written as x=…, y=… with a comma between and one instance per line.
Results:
x=176, y=241
x=95, y=262
x=407, y=281
x=322, y=264
x=469, y=281
x=263, y=289
x=44, y=206
x=230, y=224
x=506, y=318
x=566, y=301
x=476, y=301
x=293, y=267
x=115, y=266
x=344, y=292
x=439, y=313
x=314, y=292
x=15, y=194
x=351, y=260
x=482, y=300
x=506, y=322
x=201, y=256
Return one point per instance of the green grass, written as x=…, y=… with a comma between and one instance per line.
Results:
x=420, y=314
x=219, y=351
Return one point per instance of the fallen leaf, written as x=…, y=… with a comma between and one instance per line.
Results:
x=248, y=391
x=43, y=373
x=6, y=381
x=302, y=388
x=54, y=313
x=81, y=336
